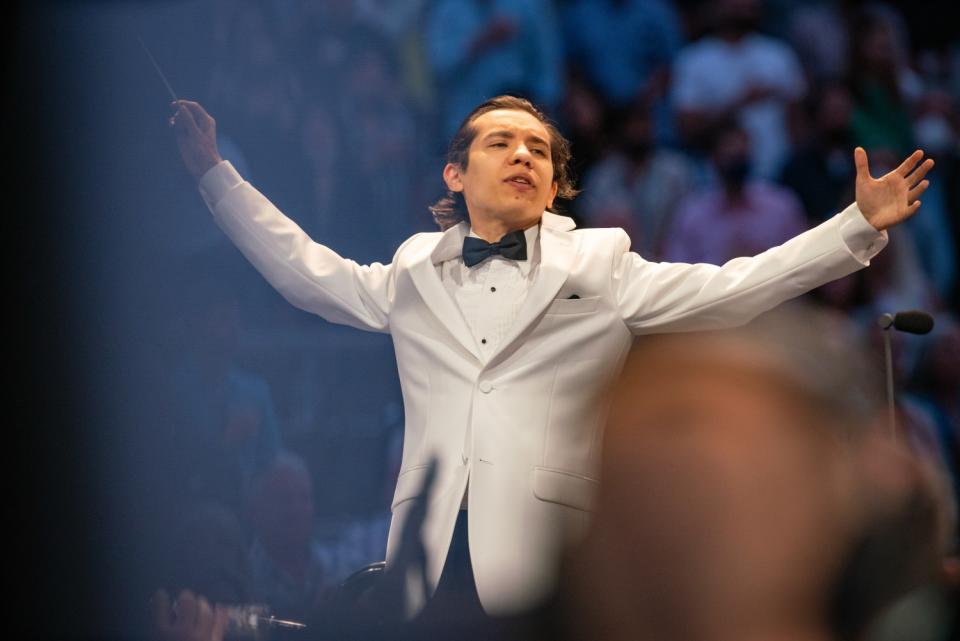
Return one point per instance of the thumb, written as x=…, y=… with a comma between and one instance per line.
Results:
x=860, y=161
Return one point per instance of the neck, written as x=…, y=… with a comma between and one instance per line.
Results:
x=493, y=229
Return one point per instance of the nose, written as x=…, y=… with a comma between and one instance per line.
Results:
x=522, y=155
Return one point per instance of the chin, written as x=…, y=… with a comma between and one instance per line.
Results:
x=523, y=210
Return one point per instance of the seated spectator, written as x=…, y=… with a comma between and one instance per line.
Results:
x=637, y=185
x=737, y=72
x=743, y=216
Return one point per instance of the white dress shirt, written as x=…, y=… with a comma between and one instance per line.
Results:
x=490, y=294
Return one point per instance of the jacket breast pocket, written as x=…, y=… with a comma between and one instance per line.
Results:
x=565, y=488
x=568, y=306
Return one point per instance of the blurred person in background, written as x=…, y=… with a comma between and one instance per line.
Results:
x=819, y=32
x=261, y=97
x=936, y=126
x=624, y=49
x=500, y=351
x=371, y=105
x=738, y=73
x=741, y=216
x=585, y=118
x=290, y=570
x=884, y=86
x=221, y=418
x=817, y=170
x=478, y=49
x=637, y=184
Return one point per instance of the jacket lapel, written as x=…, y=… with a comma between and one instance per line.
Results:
x=557, y=252
x=425, y=278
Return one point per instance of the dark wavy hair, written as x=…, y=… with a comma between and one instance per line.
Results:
x=452, y=208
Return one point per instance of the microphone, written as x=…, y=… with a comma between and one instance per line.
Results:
x=912, y=322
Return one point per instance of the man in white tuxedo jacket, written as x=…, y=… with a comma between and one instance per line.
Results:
x=503, y=362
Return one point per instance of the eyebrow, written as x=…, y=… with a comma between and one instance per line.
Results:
x=509, y=134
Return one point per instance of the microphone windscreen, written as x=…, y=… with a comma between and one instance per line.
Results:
x=913, y=322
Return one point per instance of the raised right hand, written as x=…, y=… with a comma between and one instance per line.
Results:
x=196, y=135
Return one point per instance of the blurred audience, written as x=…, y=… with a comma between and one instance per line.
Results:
x=625, y=48
x=820, y=170
x=818, y=31
x=221, y=414
x=291, y=572
x=483, y=48
x=583, y=116
x=883, y=84
x=741, y=216
x=738, y=72
x=636, y=185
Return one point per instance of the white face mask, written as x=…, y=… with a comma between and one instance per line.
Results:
x=934, y=134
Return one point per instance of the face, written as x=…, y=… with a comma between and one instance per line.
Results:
x=509, y=172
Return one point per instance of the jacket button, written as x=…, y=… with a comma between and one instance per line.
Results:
x=486, y=386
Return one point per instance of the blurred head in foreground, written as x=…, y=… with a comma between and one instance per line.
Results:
x=746, y=491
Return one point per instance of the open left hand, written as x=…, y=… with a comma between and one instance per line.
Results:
x=890, y=200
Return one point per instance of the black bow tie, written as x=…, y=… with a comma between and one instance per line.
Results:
x=477, y=250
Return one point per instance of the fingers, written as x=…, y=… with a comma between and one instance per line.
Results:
x=915, y=178
x=914, y=193
x=183, y=123
x=200, y=115
x=912, y=209
x=860, y=161
x=907, y=165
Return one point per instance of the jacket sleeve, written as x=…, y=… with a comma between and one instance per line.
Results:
x=309, y=275
x=661, y=297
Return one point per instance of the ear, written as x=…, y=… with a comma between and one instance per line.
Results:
x=553, y=194
x=451, y=176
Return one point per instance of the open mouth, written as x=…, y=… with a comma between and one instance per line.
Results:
x=521, y=182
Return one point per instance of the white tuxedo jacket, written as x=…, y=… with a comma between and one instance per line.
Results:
x=524, y=426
